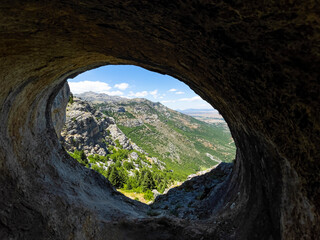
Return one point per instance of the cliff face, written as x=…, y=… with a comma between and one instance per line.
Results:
x=90, y=130
x=257, y=63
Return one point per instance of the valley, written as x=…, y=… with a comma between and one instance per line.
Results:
x=140, y=146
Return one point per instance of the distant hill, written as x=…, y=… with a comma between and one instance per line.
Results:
x=99, y=97
x=185, y=144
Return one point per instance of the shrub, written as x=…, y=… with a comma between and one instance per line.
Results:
x=118, y=143
x=80, y=156
x=128, y=165
x=71, y=98
x=147, y=182
x=148, y=195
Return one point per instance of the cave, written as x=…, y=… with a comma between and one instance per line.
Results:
x=257, y=63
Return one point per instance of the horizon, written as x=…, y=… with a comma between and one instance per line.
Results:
x=129, y=81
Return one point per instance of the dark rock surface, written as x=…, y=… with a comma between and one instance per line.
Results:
x=58, y=110
x=193, y=199
x=256, y=62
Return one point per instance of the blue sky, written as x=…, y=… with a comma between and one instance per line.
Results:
x=131, y=81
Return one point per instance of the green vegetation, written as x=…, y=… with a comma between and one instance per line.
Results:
x=80, y=156
x=184, y=144
x=147, y=136
x=122, y=172
x=181, y=141
x=71, y=98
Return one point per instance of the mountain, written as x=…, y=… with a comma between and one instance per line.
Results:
x=92, y=131
x=99, y=97
x=185, y=144
x=95, y=141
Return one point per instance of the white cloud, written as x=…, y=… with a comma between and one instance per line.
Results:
x=154, y=93
x=93, y=86
x=86, y=86
x=190, y=99
x=172, y=90
x=122, y=86
x=179, y=92
x=184, y=103
x=115, y=93
x=138, y=94
x=168, y=101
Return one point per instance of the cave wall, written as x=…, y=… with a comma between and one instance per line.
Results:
x=257, y=63
x=58, y=110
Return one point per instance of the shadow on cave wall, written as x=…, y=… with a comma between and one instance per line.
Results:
x=256, y=64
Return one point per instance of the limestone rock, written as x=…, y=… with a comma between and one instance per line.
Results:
x=117, y=134
x=90, y=130
x=85, y=129
x=134, y=155
x=155, y=193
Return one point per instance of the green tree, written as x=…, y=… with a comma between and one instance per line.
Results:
x=107, y=173
x=123, y=175
x=81, y=157
x=128, y=165
x=129, y=184
x=114, y=178
x=162, y=187
x=148, y=182
x=118, y=164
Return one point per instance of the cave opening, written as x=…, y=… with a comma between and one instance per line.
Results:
x=119, y=121
x=257, y=64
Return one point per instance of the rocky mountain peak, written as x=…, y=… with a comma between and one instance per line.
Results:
x=90, y=130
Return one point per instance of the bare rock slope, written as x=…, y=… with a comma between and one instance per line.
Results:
x=90, y=130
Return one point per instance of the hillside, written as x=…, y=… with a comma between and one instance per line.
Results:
x=95, y=141
x=185, y=144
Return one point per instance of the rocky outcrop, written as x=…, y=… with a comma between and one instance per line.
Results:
x=90, y=130
x=256, y=62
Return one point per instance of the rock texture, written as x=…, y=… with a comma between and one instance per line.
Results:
x=58, y=109
x=193, y=199
x=90, y=130
x=256, y=62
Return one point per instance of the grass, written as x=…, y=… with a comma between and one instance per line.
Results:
x=134, y=195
